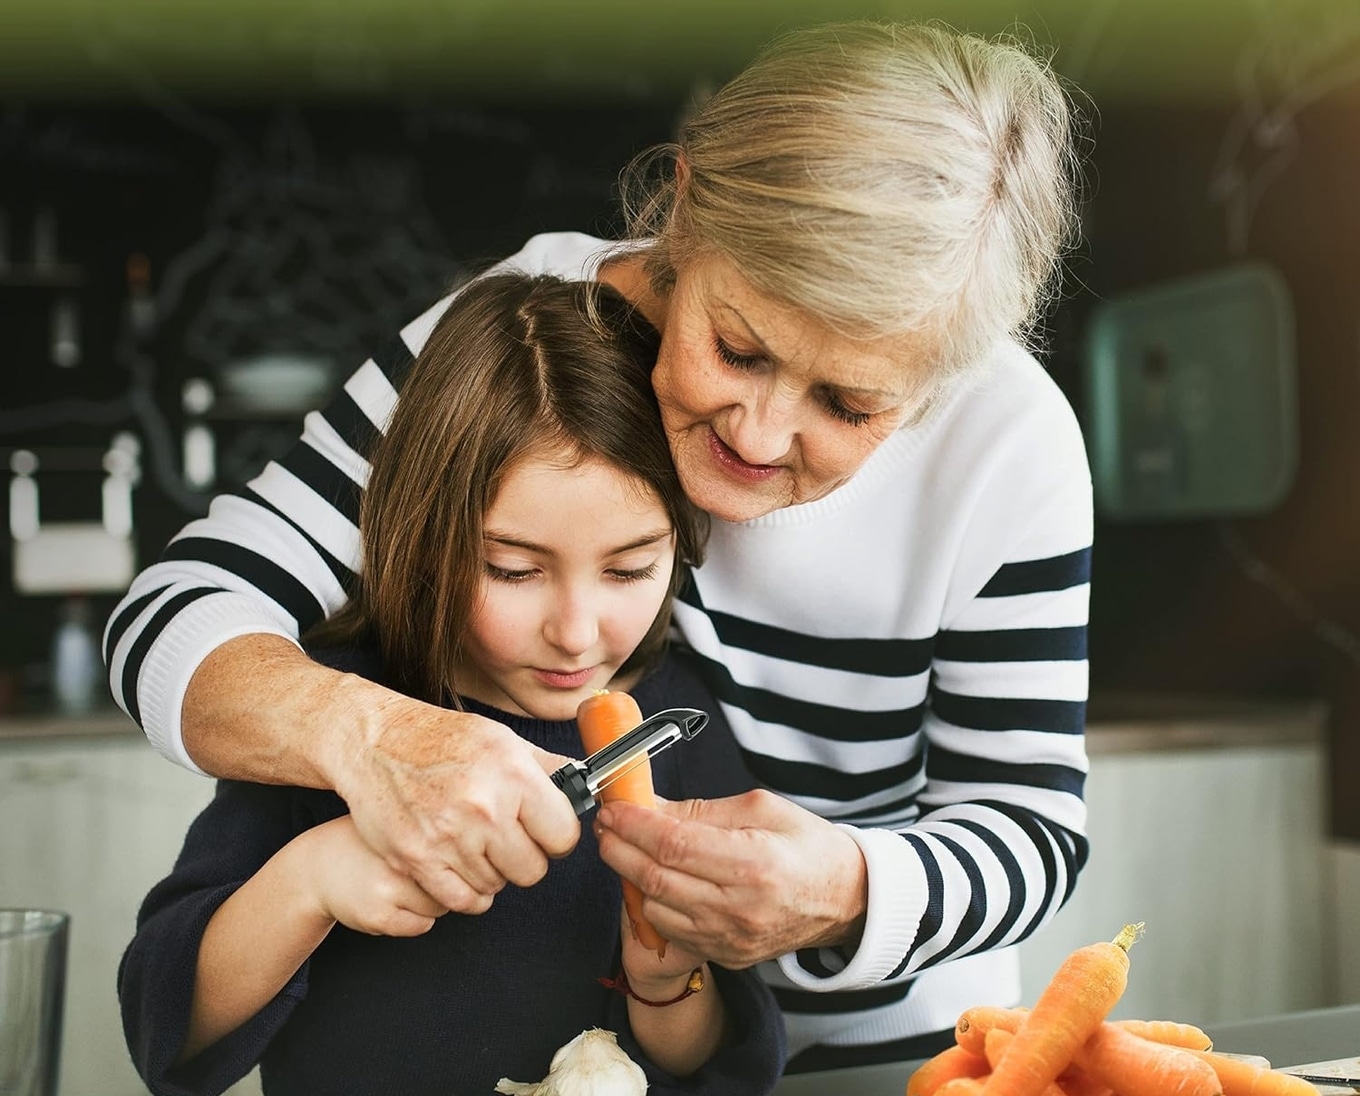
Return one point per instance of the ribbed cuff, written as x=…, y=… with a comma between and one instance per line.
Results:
x=196, y=631
x=897, y=899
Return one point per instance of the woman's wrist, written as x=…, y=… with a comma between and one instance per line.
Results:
x=849, y=890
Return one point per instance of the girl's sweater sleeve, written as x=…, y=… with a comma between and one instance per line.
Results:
x=237, y=832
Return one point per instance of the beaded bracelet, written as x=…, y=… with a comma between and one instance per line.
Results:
x=694, y=985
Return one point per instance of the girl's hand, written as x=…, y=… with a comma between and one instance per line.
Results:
x=353, y=885
x=652, y=977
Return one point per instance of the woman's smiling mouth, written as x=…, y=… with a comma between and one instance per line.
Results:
x=728, y=459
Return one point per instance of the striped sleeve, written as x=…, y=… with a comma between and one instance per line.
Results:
x=276, y=557
x=997, y=839
x=281, y=554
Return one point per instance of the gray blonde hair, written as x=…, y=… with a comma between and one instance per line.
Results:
x=887, y=178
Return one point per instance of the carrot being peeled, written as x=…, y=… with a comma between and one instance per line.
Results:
x=601, y=719
x=1069, y=1010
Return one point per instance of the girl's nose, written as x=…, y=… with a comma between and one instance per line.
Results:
x=573, y=625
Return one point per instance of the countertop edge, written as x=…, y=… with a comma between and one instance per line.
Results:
x=1154, y=727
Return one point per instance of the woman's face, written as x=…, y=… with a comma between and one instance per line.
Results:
x=577, y=563
x=765, y=407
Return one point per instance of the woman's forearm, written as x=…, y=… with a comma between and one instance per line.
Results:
x=252, y=946
x=680, y=1037
x=257, y=708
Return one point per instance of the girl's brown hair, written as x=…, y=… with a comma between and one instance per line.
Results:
x=517, y=365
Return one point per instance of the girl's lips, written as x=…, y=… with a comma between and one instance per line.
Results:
x=556, y=679
x=734, y=466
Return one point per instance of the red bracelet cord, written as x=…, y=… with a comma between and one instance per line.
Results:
x=620, y=983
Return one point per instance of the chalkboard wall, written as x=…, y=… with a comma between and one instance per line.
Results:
x=146, y=245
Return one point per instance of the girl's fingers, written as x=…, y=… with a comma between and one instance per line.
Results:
x=408, y=923
x=455, y=894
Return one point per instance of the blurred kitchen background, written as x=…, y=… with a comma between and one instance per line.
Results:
x=211, y=212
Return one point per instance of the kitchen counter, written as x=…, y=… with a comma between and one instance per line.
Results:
x=48, y=726
x=1314, y=1036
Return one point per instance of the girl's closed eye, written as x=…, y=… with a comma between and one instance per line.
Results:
x=633, y=574
x=509, y=574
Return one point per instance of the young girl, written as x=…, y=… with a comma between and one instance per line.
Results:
x=524, y=532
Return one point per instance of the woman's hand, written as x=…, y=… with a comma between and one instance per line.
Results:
x=353, y=885
x=742, y=879
x=460, y=803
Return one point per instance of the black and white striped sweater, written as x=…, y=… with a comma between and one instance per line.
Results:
x=906, y=657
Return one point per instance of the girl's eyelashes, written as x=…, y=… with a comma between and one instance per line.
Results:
x=619, y=574
x=502, y=574
x=638, y=574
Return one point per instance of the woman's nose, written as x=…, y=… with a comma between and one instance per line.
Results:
x=573, y=624
x=762, y=429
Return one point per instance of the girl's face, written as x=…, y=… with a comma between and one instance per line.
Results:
x=763, y=406
x=578, y=562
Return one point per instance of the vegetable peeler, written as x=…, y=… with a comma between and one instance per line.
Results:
x=583, y=781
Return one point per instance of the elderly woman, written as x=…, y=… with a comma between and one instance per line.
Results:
x=844, y=261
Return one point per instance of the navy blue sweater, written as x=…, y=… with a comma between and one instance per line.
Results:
x=448, y=1013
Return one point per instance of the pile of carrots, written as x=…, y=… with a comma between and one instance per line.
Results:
x=1065, y=1046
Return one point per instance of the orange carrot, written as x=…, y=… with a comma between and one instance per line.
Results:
x=997, y=1040
x=1135, y=1066
x=1069, y=1010
x=974, y=1023
x=601, y=719
x=995, y=1044
x=1240, y=1078
x=1075, y=1082
x=949, y=1063
x=1169, y=1032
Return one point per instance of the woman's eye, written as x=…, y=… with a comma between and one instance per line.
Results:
x=504, y=574
x=837, y=410
x=732, y=358
x=637, y=574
